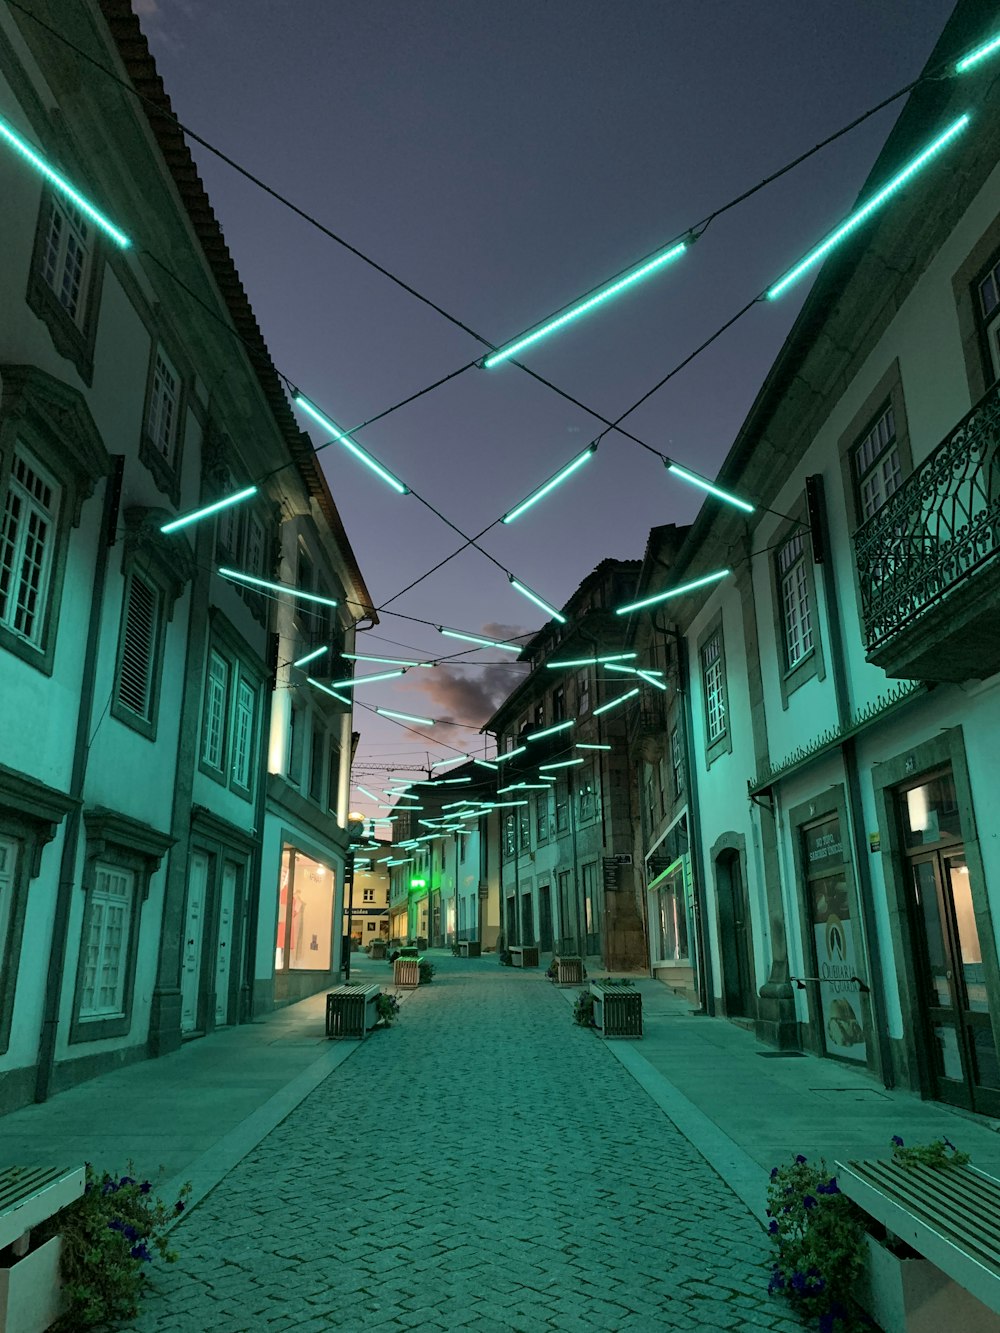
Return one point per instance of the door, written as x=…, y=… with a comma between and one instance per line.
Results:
x=193, y=929
x=734, y=937
x=224, y=952
x=527, y=920
x=544, y=919
x=952, y=986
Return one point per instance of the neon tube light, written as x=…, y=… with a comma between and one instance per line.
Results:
x=591, y=661
x=545, y=778
x=980, y=53
x=237, y=577
x=551, y=731
x=613, y=703
x=485, y=763
x=693, y=479
x=651, y=680
x=365, y=792
x=635, y=671
x=581, y=307
x=866, y=210
x=311, y=657
x=197, y=514
x=474, y=638
x=390, y=661
x=534, y=597
x=583, y=745
x=449, y=782
x=406, y=717
x=60, y=182
x=354, y=681
x=551, y=484
x=326, y=690
x=674, y=592
x=456, y=759
x=348, y=443
x=563, y=763
x=502, y=758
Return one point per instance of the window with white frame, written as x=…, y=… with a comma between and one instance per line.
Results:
x=368, y=895
x=66, y=257
x=163, y=410
x=140, y=635
x=27, y=546
x=714, y=686
x=988, y=289
x=102, y=990
x=587, y=792
x=216, y=693
x=793, y=592
x=244, y=716
x=876, y=464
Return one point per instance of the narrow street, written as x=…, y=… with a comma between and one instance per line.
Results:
x=611, y=1220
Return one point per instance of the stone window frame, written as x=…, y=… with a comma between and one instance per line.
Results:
x=243, y=665
x=51, y=420
x=723, y=744
x=73, y=341
x=812, y=664
x=30, y=814
x=118, y=840
x=166, y=474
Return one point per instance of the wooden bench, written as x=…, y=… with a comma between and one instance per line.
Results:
x=951, y=1216
x=617, y=1009
x=406, y=972
x=569, y=972
x=30, y=1285
x=351, y=1011
x=470, y=949
x=523, y=955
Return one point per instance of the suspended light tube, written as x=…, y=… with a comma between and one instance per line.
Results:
x=356, y=449
x=354, y=681
x=449, y=782
x=207, y=510
x=634, y=671
x=581, y=307
x=474, y=638
x=485, y=763
x=326, y=690
x=651, y=679
x=693, y=479
x=591, y=661
x=389, y=661
x=563, y=763
x=406, y=717
x=866, y=210
x=551, y=731
x=534, y=597
x=584, y=745
x=980, y=53
x=55, y=178
x=551, y=484
x=456, y=759
x=236, y=576
x=613, y=703
x=502, y=758
x=311, y=657
x=365, y=792
x=674, y=592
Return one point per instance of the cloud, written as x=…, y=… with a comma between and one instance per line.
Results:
x=468, y=694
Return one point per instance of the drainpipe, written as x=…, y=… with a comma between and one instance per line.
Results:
x=74, y=819
x=821, y=549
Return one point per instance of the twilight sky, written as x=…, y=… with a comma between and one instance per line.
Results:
x=504, y=158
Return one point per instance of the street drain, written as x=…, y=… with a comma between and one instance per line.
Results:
x=782, y=1055
x=850, y=1094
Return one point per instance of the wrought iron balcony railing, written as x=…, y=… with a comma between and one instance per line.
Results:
x=942, y=524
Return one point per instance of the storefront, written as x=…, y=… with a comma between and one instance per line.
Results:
x=670, y=910
x=305, y=940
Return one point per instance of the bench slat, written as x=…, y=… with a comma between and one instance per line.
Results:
x=951, y=1199
x=31, y=1195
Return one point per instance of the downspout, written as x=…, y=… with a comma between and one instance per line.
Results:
x=821, y=550
x=257, y=859
x=74, y=819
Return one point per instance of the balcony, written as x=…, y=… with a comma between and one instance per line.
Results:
x=927, y=560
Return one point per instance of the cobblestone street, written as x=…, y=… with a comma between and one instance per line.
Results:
x=527, y=1182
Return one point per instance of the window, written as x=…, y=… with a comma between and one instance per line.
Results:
x=102, y=992
x=368, y=895
x=677, y=763
x=27, y=542
x=135, y=688
x=542, y=816
x=876, y=464
x=509, y=844
x=559, y=703
x=525, y=826
x=66, y=257
x=663, y=785
x=714, y=687
x=163, y=412
x=988, y=292
x=583, y=693
x=589, y=876
x=243, y=733
x=562, y=807
x=316, y=763
x=587, y=793
x=371, y=926
x=296, y=739
x=213, y=742
x=333, y=776
x=796, y=611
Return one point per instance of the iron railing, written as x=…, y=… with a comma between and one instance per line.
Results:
x=939, y=526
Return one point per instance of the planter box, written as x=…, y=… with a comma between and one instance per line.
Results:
x=569, y=972
x=470, y=949
x=523, y=955
x=406, y=972
x=31, y=1296
x=914, y=1296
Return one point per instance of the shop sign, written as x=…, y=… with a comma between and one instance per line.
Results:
x=823, y=844
x=874, y=841
x=366, y=911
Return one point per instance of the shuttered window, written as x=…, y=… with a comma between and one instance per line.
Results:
x=27, y=543
x=136, y=672
x=102, y=993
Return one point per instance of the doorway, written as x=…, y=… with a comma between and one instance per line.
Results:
x=193, y=931
x=224, y=950
x=544, y=919
x=734, y=937
x=527, y=920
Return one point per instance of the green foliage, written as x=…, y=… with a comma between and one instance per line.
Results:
x=941, y=1152
x=110, y=1235
x=818, y=1236
x=426, y=972
x=583, y=1010
x=505, y=958
x=387, y=1008
x=552, y=971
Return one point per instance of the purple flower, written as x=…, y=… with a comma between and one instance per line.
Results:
x=109, y=1187
x=777, y=1282
x=125, y=1180
x=179, y=1206
x=897, y=1141
x=809, y=1202
x=799, y=1160
x=831, y=1188
x=774, y=1173
x=130, y=1233
x=141, y=1252
x=145, y=1187
x=116, y=1224
x=798, y=1281
x=773, y=1227
x=948, y=1144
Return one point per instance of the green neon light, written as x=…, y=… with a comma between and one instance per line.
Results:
x=545, y=778
x=311, y=657
x=693, y=479
x=534, y=597
x=474, y=638
x=563, y=763
x=326, y=690
x=980, y=53
x=583, y=745
x=348, y=443
x=237, y=577
x=613, y=703
x=506, y=805
x=353, y=682
x=617, y=666
x=674, y=592
x=590, y=661
x=485, y=763
x=581, y=307
x=866, y=210
x=365, y=792
x=60, y=182
x=405, y=717
x=390, y=661
x=418, y=884
x=502, y=758
x=455, y=759
x=399, y=793
x=197, y=514
x=551, y=731
x=450, y=782
x=651, y=679
x=551, y=484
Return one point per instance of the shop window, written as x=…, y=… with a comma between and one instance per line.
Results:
x=305, y=914
x=824, y=859
x=671, y=918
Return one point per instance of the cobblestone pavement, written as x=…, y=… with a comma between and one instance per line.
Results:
x=526, y=1182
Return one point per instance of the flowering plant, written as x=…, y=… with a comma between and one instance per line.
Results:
x=819, y=1238
x=940, y=1152
x=109, y=1235
x=426, y=972
x=583, y=1010
x=387, y=1007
